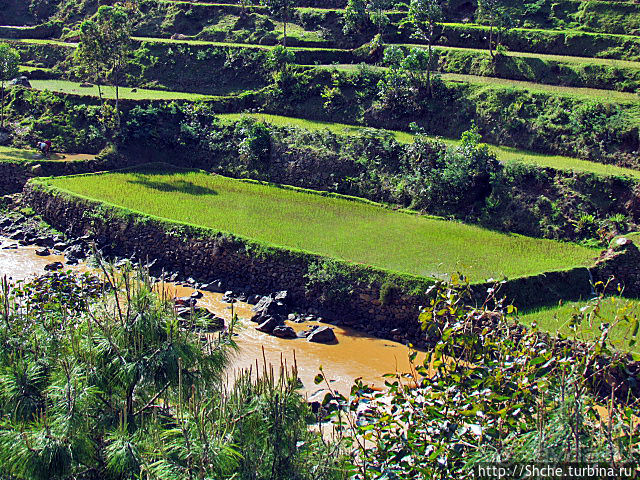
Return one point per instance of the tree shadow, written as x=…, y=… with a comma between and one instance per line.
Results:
x=181, y=186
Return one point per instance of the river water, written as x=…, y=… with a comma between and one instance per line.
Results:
x=355, y=355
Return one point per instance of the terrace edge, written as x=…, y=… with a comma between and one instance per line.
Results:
x=377, y=301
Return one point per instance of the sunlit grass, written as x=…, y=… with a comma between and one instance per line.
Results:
x=557, y=319
x=126, y=93
x=335, y=227
x=592, y=93
x=8, y=154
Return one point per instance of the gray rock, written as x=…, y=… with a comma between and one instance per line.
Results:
x=253, y=299
x=45, y=241
x=284, y=331
x=22, y=80
x=322, y=335
x=50, y=267
x=215, y=286
x=43, y=252
x=269, y=325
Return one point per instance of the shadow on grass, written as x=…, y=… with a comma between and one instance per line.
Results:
x=181, y=186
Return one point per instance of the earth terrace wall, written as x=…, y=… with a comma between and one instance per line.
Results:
x=352, y=296
x=14, y=175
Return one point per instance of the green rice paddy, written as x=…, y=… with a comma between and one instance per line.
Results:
x=593, y=93
x=557, y=319
x=74, y=88
x=342, y=228
x=8, y=154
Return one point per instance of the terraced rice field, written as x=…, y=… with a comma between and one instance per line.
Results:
x=504, y=154
x=17, y=155
x=335, y=227
x=558, y=319
x=74, y=88
x=602, y=95
x=8, y=154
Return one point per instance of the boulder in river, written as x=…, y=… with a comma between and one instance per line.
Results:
x=269, y=306
x=322, y=335
x=43, y=252
x=50, y=267
x=284, y=331
x=215, y=286
x=269, y=324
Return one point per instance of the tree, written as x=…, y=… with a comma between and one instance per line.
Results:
x=355, y=16
x=495, y=13
x=104, y=46
x=9, y=61
x=282, y=9
x=377, y=15
x=423, y=16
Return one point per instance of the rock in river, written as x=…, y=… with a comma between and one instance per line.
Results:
x=268, y=325
x=322, y=335
x=53, y=266
x=284, y=331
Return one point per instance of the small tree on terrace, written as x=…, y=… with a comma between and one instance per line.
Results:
x=377, y=14
x=423, y=16
x=105, y=43
x=355, y=17
x=495, y=13
x=281, y=9
x=9, y=61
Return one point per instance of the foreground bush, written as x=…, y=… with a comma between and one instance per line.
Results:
x=99, y=381
x=490, y=390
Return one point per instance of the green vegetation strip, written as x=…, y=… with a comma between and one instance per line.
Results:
x=558, y=319
x=606, y=95
x=74, y=88
x=328, y=225
x=542, y=56
x=504, y=154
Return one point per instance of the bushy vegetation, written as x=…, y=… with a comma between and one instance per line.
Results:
x=100, y=381
x=489, y=390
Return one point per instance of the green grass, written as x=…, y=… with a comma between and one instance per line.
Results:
x=557, y=319
x=582, y=93
x=504, y=154
x=8, y=154
x=592, y=93
x=542, y=56
x=337, y=128
x=74, y=88
x=333, y=226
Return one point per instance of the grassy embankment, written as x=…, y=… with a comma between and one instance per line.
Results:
x=504, y=154
x=327, y=225
x=559, y=319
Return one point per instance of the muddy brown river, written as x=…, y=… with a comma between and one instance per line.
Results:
x=355, y=355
